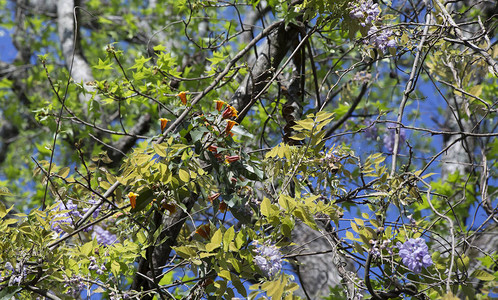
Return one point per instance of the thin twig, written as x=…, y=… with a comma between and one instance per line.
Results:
x=410, y=86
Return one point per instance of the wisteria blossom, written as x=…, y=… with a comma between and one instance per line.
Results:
x=414, y=254
x=75, y=285
x=368, y=14
x=389, y=139
x=103, y=236
x=268, y=259
x=366, y=11
x=67, y=212
x=99, y=269
x=381, y=38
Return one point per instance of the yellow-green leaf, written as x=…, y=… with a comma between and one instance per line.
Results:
x=450, y=296
x=359, y=222
x=266, y=207
x=185, y=252
x=224, y=274
x=64, y=172
x=355, y=227
x=115, y=268
x=184, y=176
x=160, y=149
x=482, y=275
x=215, y=242
x=228, y=238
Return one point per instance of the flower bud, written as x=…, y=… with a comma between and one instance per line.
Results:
x=232, y=158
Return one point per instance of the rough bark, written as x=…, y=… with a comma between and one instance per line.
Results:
x=270, y=56
x=157, y=255
x=68, y=30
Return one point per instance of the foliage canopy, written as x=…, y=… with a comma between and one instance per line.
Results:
x=222, y=149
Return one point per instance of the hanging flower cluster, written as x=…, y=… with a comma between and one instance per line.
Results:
x=368, y=14
x=268, y=259
x=390, y=136
x=67, y=212
x=414, y=254
x=103, y=236
x=99, y=269
x=366, y=11
x=381, y=38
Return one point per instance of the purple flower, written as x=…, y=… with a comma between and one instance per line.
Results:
x=18, y=274
x=116, y=296
x=9, y=267
x=389, y=139
x=93, y=202
x=103, y=236
x=381, y=38
x=269, y=259
x=65, y=218
x=76, y=285
x=366, y=11
x=371, y=131
x=414, y=254
x=101, y=270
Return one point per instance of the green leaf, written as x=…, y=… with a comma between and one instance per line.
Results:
x=228, y=238
x=463, y=263
x=185, y=252
x=217, y=57
x=350, y=236
x=323, y=115
x=115, y=268
x=266, y=207
x=449, y=296
x=275, y=289
x=215, y=242
x=5, y=192
x=482, y=275
x=359, y=222
x=298, y=136
x=9, y=292
x=239, y=286
x=159, y=48
x=9, y=222
x=103, y=65
x=240, y=240
x=355, y=227
x=224, y=274
x=184, y=175
x=306, y=124
x=87, y=248
x=64, y=172
x=3, y=210
x=160, y=149
x=139, y=63
x=305, y=216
